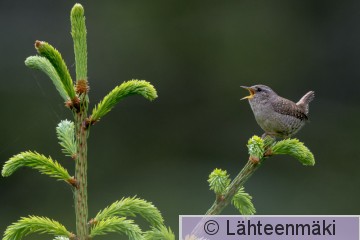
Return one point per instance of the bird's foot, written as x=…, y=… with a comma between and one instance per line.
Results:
x=265, y=135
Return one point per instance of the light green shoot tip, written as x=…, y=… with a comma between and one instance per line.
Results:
x=77, y=8
x=295, y=148
x=218, y=181
x=256, y=147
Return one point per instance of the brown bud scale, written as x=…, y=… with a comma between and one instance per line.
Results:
x=73, y=182
x=38, y=44
x=82, y=86
x=254, y=159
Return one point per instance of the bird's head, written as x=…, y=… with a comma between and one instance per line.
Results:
x=259, y=92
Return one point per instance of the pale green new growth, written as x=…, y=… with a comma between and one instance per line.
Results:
x=34, y=224
x=119, y=225
x=37, y=161
x=53, y=55
x=44, y=65
x=218, y=181
x=78, y=33
x=131, y=207
x=66, y=135
x=242, y=202
x=256, y=147
x=61, y=238
x=161, y=233
x=128, y=88
x=295, y=148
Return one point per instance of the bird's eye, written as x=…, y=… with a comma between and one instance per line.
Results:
x=259, y=89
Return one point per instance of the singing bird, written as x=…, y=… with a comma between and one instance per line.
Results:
x=278, y=116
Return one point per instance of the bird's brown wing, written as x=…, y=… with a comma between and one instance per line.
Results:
x=287, y=107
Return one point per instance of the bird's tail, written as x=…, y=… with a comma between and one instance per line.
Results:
x=303, y=103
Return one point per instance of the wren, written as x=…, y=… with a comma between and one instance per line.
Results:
x=278, y=116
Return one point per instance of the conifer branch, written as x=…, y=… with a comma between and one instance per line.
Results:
x=119, y=225
x=44, y=65
x=131, y=207
x=39, y=162
x=73, y=139
x=53, y=55
x=34, y=224
x=80, y=195
x=128, y=88
x=259, y=149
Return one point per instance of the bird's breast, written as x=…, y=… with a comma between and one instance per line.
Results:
x=273, y=122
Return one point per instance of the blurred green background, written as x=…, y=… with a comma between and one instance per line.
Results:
x=197, y=54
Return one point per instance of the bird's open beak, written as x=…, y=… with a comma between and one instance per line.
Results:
x=251, y=91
